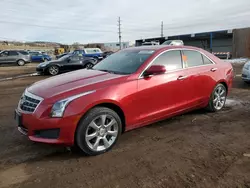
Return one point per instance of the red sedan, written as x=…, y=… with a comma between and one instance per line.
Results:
x=132, y=88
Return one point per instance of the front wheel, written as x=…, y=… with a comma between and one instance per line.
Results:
x=53, y=70
x=88, y=66
x=218, y=98
x=98, y=131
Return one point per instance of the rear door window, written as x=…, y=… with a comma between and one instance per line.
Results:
x=192, y=58
x=206, y=60
x=171, y=60
x=13, y=53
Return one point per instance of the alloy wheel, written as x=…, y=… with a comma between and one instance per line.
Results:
x=219, y=98
x=101, y=133
x=89, y=65
x=20, y=62
x=54, y=70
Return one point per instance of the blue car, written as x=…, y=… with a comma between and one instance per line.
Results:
x=90, y=52
x=39, y=57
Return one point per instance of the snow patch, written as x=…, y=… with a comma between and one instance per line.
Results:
x=19, y=76
x=232, y=102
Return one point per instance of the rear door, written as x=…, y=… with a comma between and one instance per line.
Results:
x=208, y=73
x=165, y=94
x=199, y=75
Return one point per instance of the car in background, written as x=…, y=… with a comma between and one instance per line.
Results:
x=90, y=52
x=173, y=43
x=246, y=72
x=107, y=53
x=150, y=43
x=39, y=56
x=90, y=108
x=19, y=57
x=65, y=64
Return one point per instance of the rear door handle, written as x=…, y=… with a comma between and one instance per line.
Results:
x=181, y=77
x=213, y=69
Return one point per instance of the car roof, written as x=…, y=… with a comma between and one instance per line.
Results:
x=162, y=47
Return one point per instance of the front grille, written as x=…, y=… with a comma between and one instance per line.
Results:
x=29, y=102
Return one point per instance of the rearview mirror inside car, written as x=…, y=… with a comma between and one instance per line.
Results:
x=155, y=69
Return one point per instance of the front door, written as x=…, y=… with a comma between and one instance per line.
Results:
x=165, y=94
x=73, y=63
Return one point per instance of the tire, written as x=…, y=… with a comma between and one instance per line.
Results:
x=53, y=70
x=45, y=60
x=88, y=65
x=217, y=99
x=21, y=62
x=92, y=136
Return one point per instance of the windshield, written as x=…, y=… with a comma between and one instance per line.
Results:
x=167, y=42
x=64, y=57
x=124, y=62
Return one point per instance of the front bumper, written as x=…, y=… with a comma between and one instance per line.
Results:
x=40, y=70
x=47, y=130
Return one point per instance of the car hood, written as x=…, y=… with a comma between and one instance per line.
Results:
x=74, y=83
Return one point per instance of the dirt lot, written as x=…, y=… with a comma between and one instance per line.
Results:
x=7, y=71
x=198, y=149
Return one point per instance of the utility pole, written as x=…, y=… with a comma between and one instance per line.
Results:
x=119, y=32
x=162, y=29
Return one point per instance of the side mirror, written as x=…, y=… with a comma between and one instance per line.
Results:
x=155, y=69
x=69, y=59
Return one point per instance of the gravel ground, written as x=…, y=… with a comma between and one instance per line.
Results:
x=198, y=149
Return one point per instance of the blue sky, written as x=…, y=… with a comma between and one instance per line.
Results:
x=96, y=20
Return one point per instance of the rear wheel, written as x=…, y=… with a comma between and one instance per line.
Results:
x=21, y=62
x=53, y=70
x=98, y=131
x=218, y=98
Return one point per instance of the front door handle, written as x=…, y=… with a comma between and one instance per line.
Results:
x=213, y=69
x=181, y=77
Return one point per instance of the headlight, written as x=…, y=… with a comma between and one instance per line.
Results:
x=60, y=106
x=43, y=64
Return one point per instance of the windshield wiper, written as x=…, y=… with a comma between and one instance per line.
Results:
x=112, y=72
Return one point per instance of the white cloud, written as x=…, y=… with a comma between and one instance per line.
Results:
x=96, y=20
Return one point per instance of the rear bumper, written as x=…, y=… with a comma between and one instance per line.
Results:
x=27, y=61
